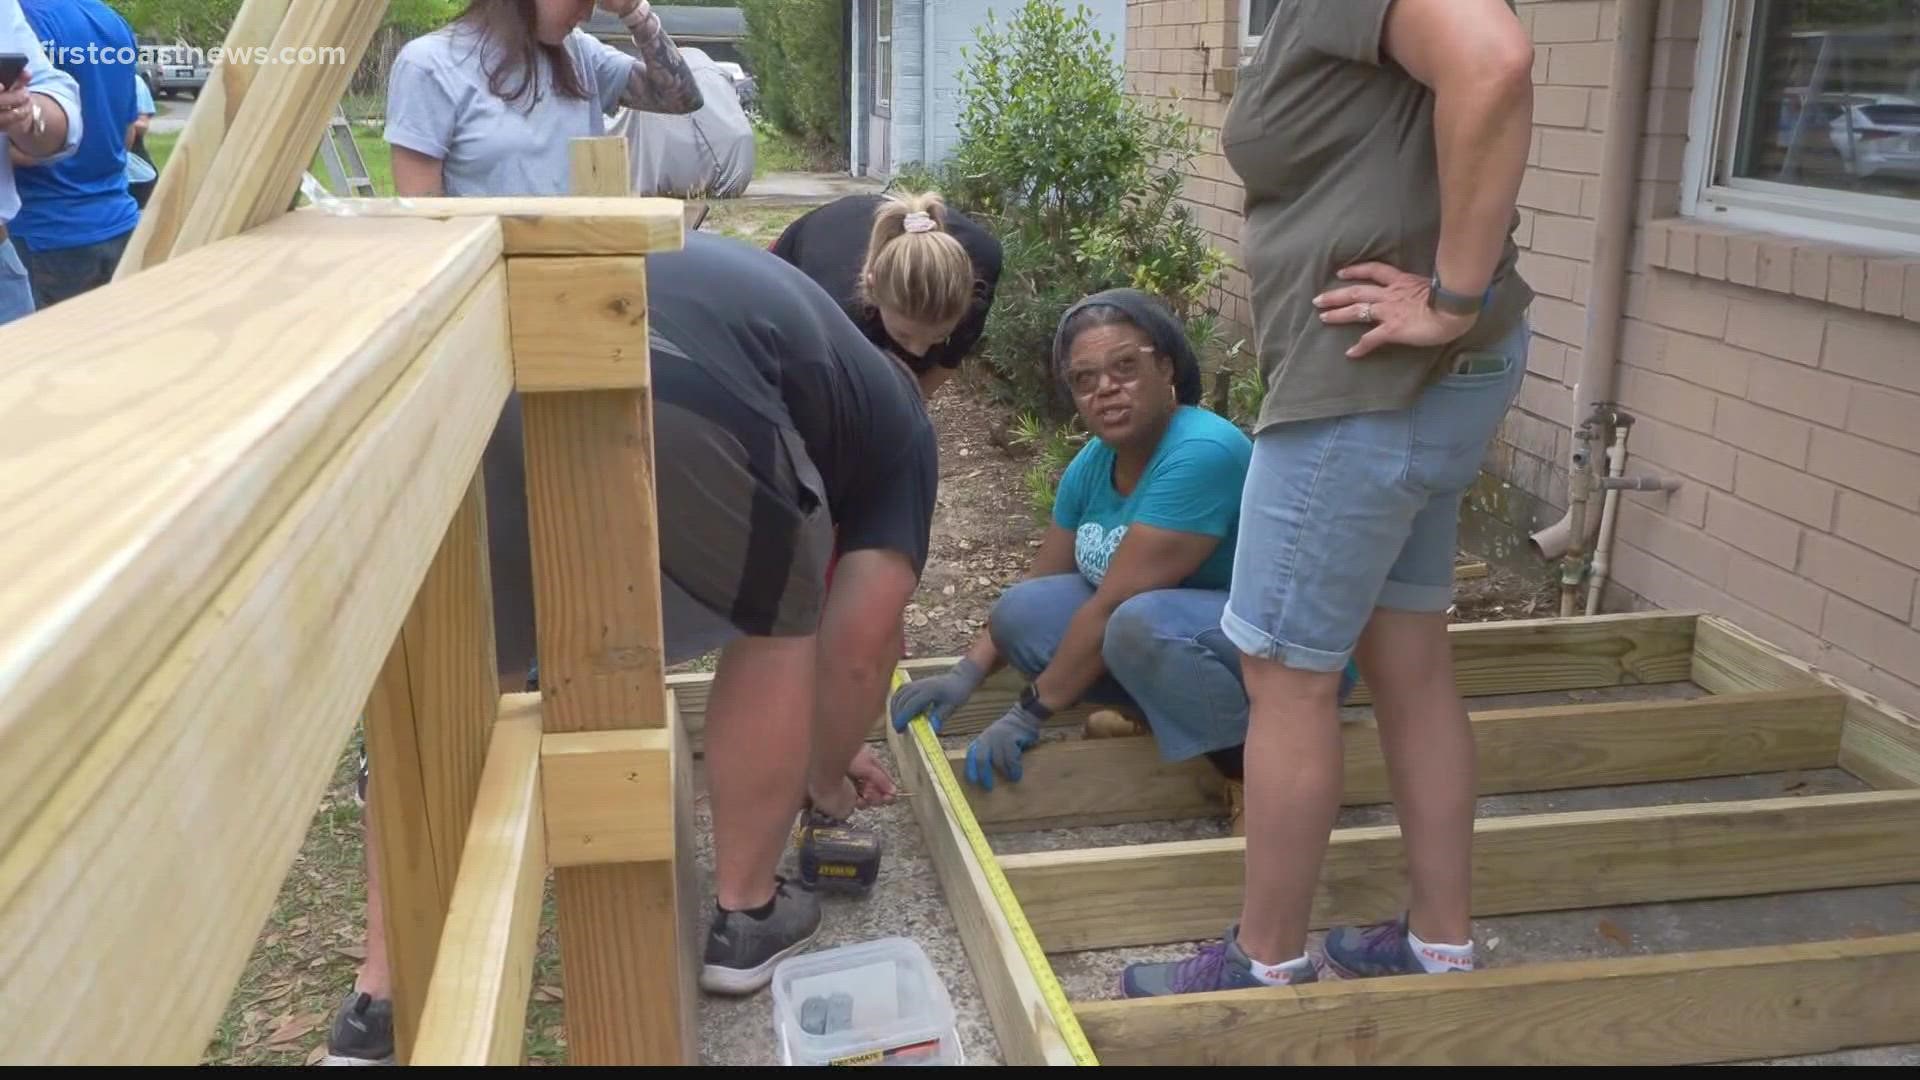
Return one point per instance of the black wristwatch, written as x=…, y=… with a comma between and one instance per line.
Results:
x=1453, y=303
x=1030, y=701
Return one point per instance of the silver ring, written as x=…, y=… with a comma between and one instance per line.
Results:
x=1366, y=312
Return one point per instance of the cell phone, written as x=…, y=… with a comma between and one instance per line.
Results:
x=11, y=65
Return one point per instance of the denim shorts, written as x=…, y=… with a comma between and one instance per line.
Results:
x=1345, y=514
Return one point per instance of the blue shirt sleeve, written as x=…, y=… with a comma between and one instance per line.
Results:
x=611, y=69
x=420, y=110
x=143, y=97
x=1070, y=495
x=1195, y=487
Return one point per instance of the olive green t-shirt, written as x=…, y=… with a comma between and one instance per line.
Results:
x=1335, y=144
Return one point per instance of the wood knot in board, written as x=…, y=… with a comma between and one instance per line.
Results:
x=627, y=310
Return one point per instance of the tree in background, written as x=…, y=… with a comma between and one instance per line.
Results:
x=798, y=52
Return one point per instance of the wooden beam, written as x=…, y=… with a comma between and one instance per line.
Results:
x=1878, y=743
x=631, y=995
x=609, y=796
x=214, y=106
x=155, y=432
x=277, y=128
x=1578, y=653
x=476, y=1008
x=1692, y=1008
x=133, y=897
x=1022, y=1023
x=544, y=225
x=579, y=322
x=428, y=724
x=1081, y=782
x=1158, y=893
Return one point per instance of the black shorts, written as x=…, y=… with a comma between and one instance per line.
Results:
x=745, y=531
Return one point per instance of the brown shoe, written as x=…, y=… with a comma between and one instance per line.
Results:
x=1109, y=724
x=1236, y=807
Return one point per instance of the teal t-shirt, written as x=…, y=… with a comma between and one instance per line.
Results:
x=1191, y=485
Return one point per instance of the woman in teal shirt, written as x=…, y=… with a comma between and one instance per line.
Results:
x=1122, y=604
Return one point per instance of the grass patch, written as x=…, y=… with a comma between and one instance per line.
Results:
x=373, y=150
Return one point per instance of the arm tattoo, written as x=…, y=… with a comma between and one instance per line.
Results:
x=662, y=83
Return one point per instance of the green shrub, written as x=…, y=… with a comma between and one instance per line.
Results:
x=798, y=52
x=1081, y=184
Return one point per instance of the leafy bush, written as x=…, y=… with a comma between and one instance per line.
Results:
x=1080, y=183
x=798, y=52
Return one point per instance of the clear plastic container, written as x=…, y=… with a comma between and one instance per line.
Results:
x=873, y=1003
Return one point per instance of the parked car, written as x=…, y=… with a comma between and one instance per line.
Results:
x=1878, y=136
x=173, y=69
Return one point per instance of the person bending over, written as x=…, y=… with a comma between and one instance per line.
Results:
x=1122, y=603
x=916, y=276
x=776, y=425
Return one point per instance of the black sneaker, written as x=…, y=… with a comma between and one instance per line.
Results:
x=742, y=950
x=362, y=1032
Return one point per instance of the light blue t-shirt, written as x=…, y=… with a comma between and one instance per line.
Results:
x=1192, y=484
x=440, y=104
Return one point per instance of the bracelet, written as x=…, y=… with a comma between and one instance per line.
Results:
x=637, y=18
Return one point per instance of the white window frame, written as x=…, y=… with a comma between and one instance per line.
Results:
x=1249, y=36
x=1842, y=217
x=883, y=58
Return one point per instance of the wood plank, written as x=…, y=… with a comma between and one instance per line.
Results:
x=184, y=177
x=630, y=994
x=609, y=796
x=1578, y=653
x=254, y=176
x=476, y=1008
x=156, y=431
x=580, y=224
x=1022, y=1023
x=131, y=902
x=579, y=322
x=1081, y=782
x=1158, y=893
x=428, y=724
x=1692, y=1008
x=1878, y=742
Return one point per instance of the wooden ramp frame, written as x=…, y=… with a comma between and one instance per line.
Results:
x=1761, y=711
x=243, y=511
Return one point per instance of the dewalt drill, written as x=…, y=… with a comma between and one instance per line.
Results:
x=836, y=856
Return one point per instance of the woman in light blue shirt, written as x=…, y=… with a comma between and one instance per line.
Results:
x=1122, y=604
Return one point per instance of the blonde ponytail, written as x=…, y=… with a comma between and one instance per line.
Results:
x=915, y=267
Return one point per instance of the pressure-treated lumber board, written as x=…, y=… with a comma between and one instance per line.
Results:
x=609, y=796
x=131, y=902
x=274, y=133
x=476, y=1008
x=1878, y=743
x=579, y=322
x=1676, y=1009
x=1085, y=782
x=596, y=578
x=428, y=723
x=1188, y=890
x=1022, y=1023
x=214, y=106
x=580, y=224
x=1577, y=653
x=155, y=431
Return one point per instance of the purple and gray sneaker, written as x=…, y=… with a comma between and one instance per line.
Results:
x=1366, y=952
x=1220, y=965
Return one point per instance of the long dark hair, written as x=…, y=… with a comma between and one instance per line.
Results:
x=508, y=25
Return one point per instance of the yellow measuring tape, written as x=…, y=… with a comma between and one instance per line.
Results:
x=1056, y=998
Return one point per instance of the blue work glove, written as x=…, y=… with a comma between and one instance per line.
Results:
x=1000, y=746
x=937, y=696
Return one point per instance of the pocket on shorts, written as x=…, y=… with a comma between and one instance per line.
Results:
x=1458, y=416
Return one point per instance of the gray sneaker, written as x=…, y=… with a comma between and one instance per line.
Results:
x=742, y=950
x=1219, y=965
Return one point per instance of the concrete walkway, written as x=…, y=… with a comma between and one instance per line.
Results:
x=808, y=187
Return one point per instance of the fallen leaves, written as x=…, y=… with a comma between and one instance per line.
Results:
x=549, y=993
x=294, y=1028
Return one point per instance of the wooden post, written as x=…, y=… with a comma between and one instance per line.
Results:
x=429, y=722
x=627, y=965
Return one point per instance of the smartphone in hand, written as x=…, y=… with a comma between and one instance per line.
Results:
x=11, y=66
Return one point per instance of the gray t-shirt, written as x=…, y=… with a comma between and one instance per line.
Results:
x=1335, y=144
x=439, y=103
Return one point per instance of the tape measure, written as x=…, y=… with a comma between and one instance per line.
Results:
x=962, y=815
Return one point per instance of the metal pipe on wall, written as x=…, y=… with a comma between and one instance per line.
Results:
x=1634, y=25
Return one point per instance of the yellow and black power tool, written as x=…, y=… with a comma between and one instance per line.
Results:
x=836, y=856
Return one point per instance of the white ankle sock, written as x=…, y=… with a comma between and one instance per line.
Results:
x=1437, y=958
x=1282, y=974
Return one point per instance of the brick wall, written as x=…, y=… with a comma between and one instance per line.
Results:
x=1778, y=379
